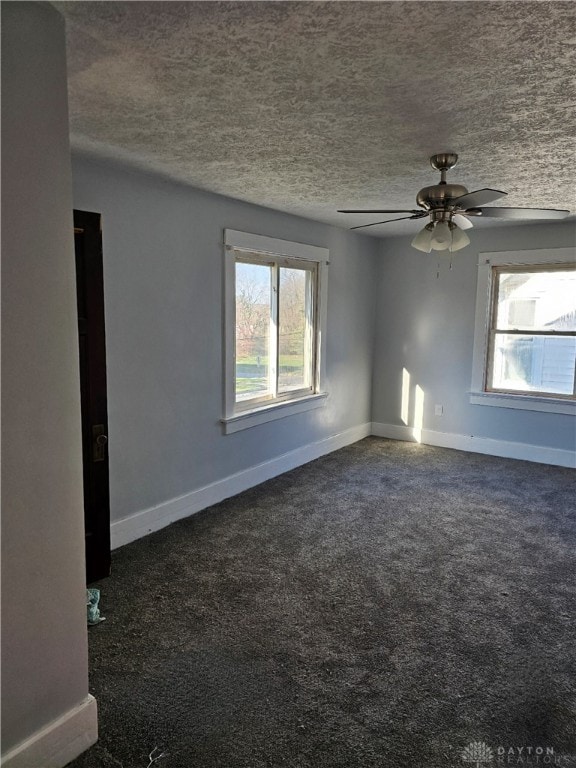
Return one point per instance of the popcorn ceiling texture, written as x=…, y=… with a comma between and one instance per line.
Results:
x=307, y=107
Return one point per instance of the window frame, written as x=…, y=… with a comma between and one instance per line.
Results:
x=277, y=263
x=243, y=246
x=480, y=393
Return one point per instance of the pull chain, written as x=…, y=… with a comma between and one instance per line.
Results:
x=438, y=266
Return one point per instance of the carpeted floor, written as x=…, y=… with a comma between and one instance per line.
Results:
x=386, y=605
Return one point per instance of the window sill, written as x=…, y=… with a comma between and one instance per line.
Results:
x=272, y=412
x=523, y=402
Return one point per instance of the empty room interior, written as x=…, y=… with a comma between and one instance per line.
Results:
x=288, y=384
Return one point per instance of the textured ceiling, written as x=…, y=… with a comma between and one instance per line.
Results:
x=308, y=107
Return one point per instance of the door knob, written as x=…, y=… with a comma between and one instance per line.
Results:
x=99, y=440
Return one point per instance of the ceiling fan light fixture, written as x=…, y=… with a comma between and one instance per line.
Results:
x=459, y=239
x=441, y=236
x=461, y=221
x=423, y=240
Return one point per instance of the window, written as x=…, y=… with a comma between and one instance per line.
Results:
x=532, y=345
x=525, y=342
x=275, y=327
x=275, y=303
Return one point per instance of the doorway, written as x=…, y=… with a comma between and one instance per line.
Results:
x=93, y=392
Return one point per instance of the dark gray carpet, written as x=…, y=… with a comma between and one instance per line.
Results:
x=385, y=605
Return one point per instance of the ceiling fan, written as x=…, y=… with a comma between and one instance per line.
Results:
x=449, y=206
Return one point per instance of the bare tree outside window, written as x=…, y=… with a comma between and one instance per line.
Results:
x=274, y=328
x=253, y=302
x=292, y=337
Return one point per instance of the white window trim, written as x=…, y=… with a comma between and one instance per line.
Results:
x=478, y=396
x=236, y=419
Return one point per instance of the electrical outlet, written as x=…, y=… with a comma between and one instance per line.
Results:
x=438, y=410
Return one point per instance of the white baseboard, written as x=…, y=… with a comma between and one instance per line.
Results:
x=149, y=520
x=153, y=519
x=538, y=453
x=59, y=742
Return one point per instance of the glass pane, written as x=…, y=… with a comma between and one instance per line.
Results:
x=253, y=302
x=534, y=363
x=294, y=364
x=540, y=301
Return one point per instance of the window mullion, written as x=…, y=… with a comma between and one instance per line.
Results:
x=534, y=332
x=489, y=374
x=274, y=330
x=309, y=363
x=489, y=367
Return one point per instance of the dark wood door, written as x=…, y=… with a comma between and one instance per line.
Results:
x=92, y=341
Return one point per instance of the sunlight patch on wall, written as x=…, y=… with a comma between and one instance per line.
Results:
x=418, y=413
x=405, y=396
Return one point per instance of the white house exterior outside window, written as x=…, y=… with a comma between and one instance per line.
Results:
x=525, y=337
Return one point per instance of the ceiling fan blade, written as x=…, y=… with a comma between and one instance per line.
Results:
x=477, y=198
x=462, y=221
x=388, y=221
x=523, y=213
x=424, y=213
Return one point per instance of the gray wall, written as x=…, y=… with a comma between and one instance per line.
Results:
x=163, y=262
x=426, y=324
x=44, y=637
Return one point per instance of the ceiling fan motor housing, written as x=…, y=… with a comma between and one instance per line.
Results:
x=439, y=195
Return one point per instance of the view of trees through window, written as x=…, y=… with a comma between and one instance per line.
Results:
x=273, y=329
x=253, y=308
